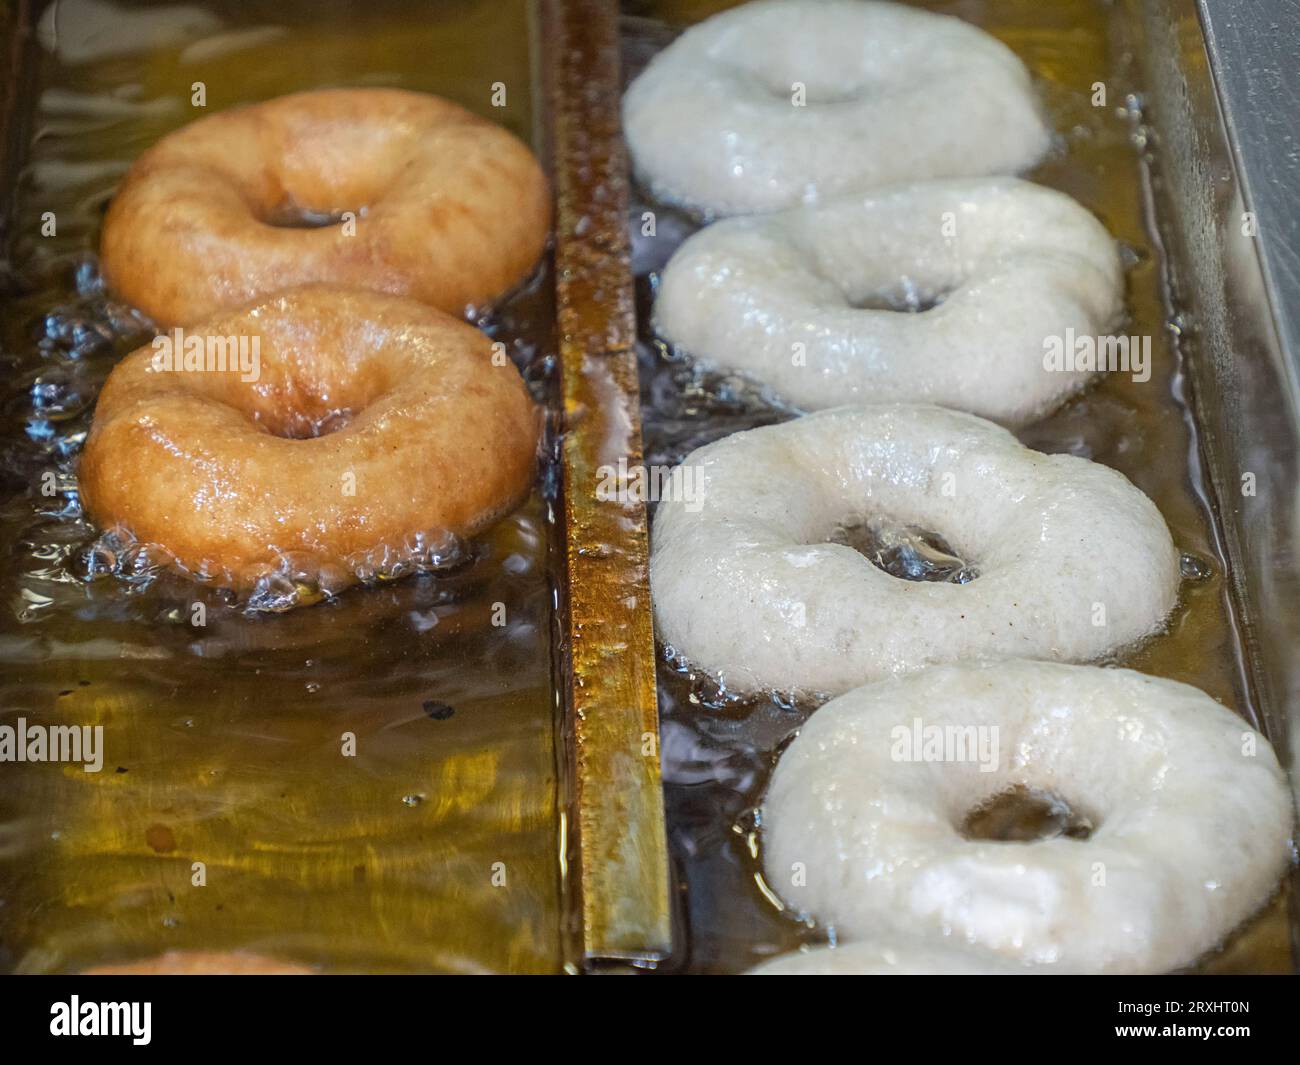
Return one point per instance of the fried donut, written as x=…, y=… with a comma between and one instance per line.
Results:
x=202, y=963
x=892, y=956
x=1069, y=560
x=371, y=427
x=1189, y=815
x=788, y=298
x=450, y=209
x=782, y=102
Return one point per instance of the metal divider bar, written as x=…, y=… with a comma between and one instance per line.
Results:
x=617, y=803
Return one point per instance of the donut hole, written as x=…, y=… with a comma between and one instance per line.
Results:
x=829, y=65
x=289, y=214
x=305, y=425
x=905, y=296
x=908, y=552
x=306, y=389
x=1024, y=814
x=906, y=268
x=816, y=92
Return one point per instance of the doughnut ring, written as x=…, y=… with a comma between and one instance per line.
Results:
x=447, y=208
x=782, y=102
x=1189, y=811
x=1071, y=561
x=369, y=426
x=891, y=956
x=793, y=298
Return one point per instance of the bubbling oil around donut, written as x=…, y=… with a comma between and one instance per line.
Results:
x=77, y=338
x=295, y=579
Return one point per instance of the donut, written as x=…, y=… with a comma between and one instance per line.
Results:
x=1189, y=812
x=370, y=427
x=1003, y=265
x=783, y=102
x=202, y=963
x=892, y=955
x=448, y=208
x=1058, y=557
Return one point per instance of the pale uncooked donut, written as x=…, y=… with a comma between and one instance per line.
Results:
x=1190, y=838
x=891, y=93
x=781, y=297
x=1073, y=561
x=892, y=956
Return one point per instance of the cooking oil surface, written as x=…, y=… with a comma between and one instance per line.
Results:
x=368, y=783
x=717, y=750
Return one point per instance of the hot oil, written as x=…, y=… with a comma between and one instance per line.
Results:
x=227, y=814
x=718, y=751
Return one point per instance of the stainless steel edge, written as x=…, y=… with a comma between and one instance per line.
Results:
x=1254, y=51
x=622, y=863
x=1223, y=96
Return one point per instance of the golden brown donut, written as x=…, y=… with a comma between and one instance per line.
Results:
x=375, y=423
x=202, y=963
x=450, y=208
